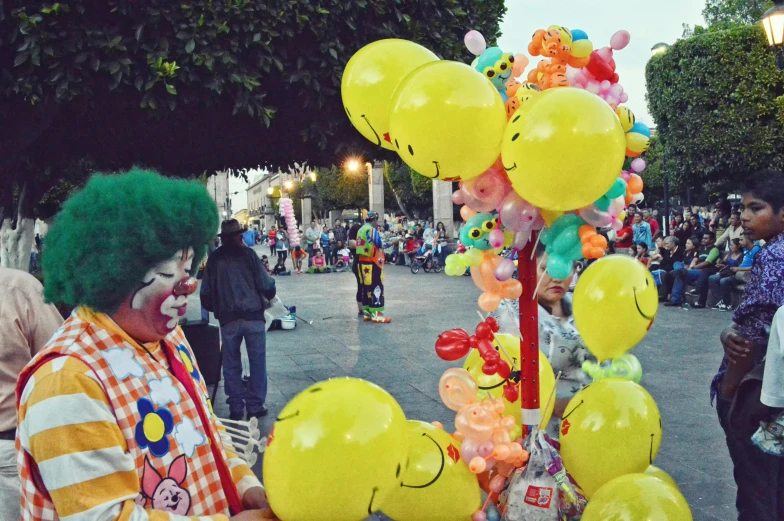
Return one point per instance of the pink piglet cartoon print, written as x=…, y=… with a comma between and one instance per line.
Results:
x=166, y=493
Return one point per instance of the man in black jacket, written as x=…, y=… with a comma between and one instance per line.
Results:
x=234, y=287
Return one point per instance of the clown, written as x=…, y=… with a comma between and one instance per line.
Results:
x=114, y=418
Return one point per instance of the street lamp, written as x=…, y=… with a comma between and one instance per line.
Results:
x=270, y=191
x=773, y=23
x=289, y=184
x=352, y=165
x=313, y=176
x=659, y=48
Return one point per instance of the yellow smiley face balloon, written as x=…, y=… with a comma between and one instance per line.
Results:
x=610, y=428
x=563, y=149
x=369, y=80
x=615, y=302
x=509, y=348
x=437, y=485
x=637, y=497
x=447, y=120
x=336, y=451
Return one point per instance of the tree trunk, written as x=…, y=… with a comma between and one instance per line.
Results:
x=17, y=235
x=394, y=192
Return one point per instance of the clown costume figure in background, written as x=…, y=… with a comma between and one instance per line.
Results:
x=114, y=416
x=370, y=253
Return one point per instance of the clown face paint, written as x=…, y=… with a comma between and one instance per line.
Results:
x=162, y=296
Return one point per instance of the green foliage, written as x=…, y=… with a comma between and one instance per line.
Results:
x=407, y=190
x=213, y=74
x=734, y=12
x=714, y=100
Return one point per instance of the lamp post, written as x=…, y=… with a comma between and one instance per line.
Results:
x=656, y=50
x=773, y=23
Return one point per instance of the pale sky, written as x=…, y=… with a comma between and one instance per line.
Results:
x=648, y=22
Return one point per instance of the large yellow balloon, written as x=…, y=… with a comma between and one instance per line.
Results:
x=610, y=428
x=637, y=497
x=370, y=78
x=447, y=121
x=656, y=472
x=494, y=384
x=615, y=302
x=336, y=451
x=437, y=485
x=563, y=149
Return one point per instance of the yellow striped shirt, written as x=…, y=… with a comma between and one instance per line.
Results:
x=67, y=425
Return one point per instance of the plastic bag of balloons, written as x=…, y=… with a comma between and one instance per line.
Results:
x=543, y=490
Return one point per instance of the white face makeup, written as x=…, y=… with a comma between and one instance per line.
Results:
x=156, y=297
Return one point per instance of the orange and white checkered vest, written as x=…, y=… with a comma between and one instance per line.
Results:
x=170, y=436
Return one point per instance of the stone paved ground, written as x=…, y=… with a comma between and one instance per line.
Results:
x=679, y=357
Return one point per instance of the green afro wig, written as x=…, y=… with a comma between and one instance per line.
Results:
x=112, y=232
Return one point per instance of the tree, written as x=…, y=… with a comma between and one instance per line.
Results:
x=407, y=190
x=734, y=12
x=185, y=87
x=715, y=99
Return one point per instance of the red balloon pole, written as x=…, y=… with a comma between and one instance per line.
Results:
x=529, y=336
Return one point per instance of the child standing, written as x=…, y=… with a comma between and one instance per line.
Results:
x=297, y=256
x=760, y=492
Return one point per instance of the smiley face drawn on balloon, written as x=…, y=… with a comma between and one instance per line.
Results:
x=615, y=303
x=476, y=232
x=610, y=428
x=446, y=121
x=346, y=431
x=437, y=485
x=370, y=79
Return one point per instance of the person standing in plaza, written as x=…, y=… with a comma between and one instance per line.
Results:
x=641, y=231
x=760, y=495
x=282, y=246
x=352, y=246
x=26, y=324
x=235, y=287
x=271, y=239
x=371, y=270
x=312, y=236
x=340, y=237
x=648, y=218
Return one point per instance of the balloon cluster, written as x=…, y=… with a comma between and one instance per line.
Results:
x=456, y=343
x=598, y=76
x=638, y=135
x=481, y=425
x=558, y=45
x=287, y=211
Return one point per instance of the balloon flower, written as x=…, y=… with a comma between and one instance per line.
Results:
x=613, y=217
x=563, y=245
x=456, y=343
x=594, y=245
x=496, y=65
x=616, y=190
x=520, y=216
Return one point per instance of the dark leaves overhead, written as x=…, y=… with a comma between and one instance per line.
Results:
x=205, y=84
